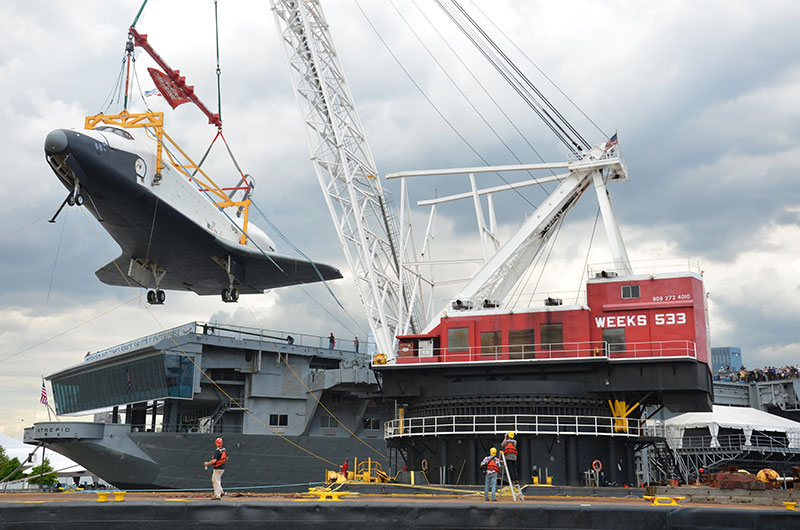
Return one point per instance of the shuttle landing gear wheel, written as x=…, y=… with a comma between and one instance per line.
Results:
x=156, y=297
x=79, y=200
x=230, y=295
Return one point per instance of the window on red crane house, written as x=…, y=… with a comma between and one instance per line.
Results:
x=458, y=340
x=490, y=343
x=521, y=343
x=552, y=336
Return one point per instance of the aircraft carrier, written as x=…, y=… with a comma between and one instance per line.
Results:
x=287, y=409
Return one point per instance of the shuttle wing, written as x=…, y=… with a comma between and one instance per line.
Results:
x=203, y=275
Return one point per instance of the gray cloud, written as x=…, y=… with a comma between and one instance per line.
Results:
x=703, y=96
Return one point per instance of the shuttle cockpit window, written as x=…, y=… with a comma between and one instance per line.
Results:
x=119, y=132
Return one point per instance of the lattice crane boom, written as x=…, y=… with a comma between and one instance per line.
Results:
x=346, y=170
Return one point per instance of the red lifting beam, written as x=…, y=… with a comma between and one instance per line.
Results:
x=174, y=75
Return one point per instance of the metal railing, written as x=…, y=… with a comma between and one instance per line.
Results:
x=758, y=442
x=552, y=351
x=300, y=339
x=652, y=266
x=523, y=424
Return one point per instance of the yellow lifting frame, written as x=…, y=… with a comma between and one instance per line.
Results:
x=155, y=121
x=620, y=411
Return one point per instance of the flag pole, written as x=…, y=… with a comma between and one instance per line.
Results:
x=44, y=401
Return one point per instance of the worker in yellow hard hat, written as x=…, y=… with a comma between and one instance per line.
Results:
x=509, y=448
x=491, y=465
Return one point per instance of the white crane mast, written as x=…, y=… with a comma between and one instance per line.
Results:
x=346, y=171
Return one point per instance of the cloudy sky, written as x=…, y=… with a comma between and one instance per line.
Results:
x=703, y=95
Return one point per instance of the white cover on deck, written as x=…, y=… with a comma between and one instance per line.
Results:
x=744, y=418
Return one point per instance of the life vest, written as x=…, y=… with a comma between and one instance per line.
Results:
x=221, y=460
x=510, y=447
x=492, y=466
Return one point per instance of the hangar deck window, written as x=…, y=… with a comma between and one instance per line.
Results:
x=373, y=424
x=328, y=422
x=278, y=420
x=630, y=291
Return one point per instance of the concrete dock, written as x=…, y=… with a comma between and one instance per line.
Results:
x=387, y=510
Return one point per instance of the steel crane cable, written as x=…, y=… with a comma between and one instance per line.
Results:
x=284, y=238
x=483, y=87
x=519, y=289
x=511, y=81
x=539, y=69
x=256, y=245
x=464, y=95
x=55, y=261
x=518, y=83
x=544, y=265
x=588, y=250
x=116, y=89
x=523, y=76
x=428, y=99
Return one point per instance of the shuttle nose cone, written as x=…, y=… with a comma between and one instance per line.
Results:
x=55, y=142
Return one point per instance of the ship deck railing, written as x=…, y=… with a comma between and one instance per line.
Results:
x=756, y=442
x=522, y=424
x=551, y=352
x=233, y=332
x=280, y=336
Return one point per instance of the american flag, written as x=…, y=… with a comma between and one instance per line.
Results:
x=611, y=142
x=43, y=398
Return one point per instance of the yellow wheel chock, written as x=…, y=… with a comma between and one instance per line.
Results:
x=790, y=505
x=328, y=495
x=119, y=495
x=661, y=500
x=102, y=496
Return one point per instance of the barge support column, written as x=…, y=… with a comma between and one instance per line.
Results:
x=524, y=455
x=612, y=475
x=472, y=461
x=571, y=450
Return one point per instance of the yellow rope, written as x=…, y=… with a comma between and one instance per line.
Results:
x=23, y=226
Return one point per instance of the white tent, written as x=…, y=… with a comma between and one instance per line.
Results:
x=741, y=418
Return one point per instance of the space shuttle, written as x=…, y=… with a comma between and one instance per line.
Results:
x=176, y=231
x=177, y=228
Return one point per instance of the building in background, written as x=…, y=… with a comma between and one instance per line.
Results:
x=727, y=357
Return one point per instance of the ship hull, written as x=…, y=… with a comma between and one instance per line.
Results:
x=152, y=461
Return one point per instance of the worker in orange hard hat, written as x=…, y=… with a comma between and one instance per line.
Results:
x=509, y=448
x=331, y=341
x=218, y=461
